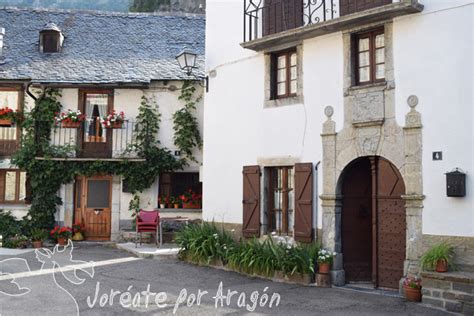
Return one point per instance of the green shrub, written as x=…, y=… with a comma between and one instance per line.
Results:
x=443, y=251
x=206, y=243
x=9, y=227
x=203, y=243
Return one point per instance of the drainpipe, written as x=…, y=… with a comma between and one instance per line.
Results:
x=316, y=204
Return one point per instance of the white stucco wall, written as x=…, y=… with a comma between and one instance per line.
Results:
x=127, y=100
x=433, y=60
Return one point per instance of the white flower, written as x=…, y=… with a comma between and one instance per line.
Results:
x=334, y=253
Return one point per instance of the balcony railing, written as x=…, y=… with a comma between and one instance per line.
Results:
x=92, y=140
x=264, y=17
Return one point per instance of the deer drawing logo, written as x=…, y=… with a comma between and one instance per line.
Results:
x=58, y=269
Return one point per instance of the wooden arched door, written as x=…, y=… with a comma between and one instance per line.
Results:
x=373, y=222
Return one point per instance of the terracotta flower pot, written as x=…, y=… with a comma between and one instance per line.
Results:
x=324, y=268
x=37, y=244
x=413, y=295
x=65, y=124
x=5, y=122
x=441, y=266
x=190, y=205
x=62, y=241
x=176, y=206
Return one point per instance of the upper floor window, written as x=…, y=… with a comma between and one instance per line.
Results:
x=51, y=39
x=370, y=57
x=285, y=74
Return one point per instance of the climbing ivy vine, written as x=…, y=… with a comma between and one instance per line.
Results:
x=46, y=175
x=187, y=136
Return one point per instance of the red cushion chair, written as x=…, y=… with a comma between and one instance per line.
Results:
x=147, y=222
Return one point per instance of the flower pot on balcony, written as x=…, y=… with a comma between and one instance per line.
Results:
x=6, y=122
x=114, y=125
x=191, y=205
x=65, y=124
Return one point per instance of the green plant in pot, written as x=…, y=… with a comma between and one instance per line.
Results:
x=439, y=258
x=38, y=236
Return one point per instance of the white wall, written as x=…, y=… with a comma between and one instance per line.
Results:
x=433, y=59
x=435, y=63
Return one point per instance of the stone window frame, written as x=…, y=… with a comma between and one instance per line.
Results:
x=270, y=102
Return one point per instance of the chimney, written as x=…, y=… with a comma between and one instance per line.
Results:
x=2, y=33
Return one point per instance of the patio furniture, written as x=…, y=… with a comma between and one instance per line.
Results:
x=170, y=219
x=148, y=222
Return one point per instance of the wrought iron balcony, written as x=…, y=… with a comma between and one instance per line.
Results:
x=269, y=23
x=90, y=139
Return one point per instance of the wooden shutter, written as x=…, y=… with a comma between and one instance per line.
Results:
x=353, y=6
x=304, y=202
x=251, y=201
x=282, y=15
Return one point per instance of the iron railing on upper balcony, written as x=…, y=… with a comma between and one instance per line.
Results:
x=90, y=139
x=266, y=17
x=9, y=140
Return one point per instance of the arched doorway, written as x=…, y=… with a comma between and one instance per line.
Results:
x=373, y=222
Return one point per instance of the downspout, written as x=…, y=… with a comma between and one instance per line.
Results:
x=316, y=204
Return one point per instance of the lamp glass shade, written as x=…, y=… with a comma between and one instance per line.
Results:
x=186, y=61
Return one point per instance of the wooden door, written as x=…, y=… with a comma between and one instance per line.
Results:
x=373, y=223
x=391, y=225
x=357, y=222
x=304, y=202
x=93, y=205
x=94, y=140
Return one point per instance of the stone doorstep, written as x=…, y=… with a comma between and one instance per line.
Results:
x=457, y=276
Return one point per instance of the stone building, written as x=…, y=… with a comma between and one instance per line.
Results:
x=340, y=122
x=100, y=62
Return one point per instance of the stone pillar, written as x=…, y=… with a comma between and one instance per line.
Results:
x=331, y=203
x=414, y=186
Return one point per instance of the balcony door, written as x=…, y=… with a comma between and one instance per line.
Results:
x=94, y=140
x=93, y=196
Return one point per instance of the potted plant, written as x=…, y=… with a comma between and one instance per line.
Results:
x=174, y=201
x=438, y=257
x=412, y=289
x=78, y=232
x=37, y=237
x=164, y=201
x=61, y=234
x=113, y=120
x=191, y=200
x=7, y=116
x=325, y=258
x=69, y=119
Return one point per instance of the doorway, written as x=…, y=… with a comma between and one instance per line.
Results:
x=373, y=222
x=93, y=199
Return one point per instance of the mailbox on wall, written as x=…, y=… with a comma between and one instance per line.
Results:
x=456, y=183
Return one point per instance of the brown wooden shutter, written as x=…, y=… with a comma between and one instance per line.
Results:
x=282, y=15
x=353, y=6
x=28, y=190
x=304, y=202
x=2, y=185
x=251, y=201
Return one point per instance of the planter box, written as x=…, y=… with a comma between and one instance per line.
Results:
x=191, y=205
x=71, y=124
x=115, y=125
x=6, y=122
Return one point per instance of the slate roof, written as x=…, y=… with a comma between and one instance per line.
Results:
x=99, y=47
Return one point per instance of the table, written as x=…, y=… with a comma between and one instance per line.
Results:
x=170, y=219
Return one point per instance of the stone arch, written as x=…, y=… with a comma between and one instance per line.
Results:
x=402, y=146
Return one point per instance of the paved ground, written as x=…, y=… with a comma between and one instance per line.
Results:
x=116, y=274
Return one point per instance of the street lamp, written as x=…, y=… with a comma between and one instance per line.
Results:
x=187, y=62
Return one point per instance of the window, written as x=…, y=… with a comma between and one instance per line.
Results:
x=280, y=206
x=176, y=184
x=370, y=57
x=9, y=133
x=50, y=41
x=285, y=74
x=13, y=186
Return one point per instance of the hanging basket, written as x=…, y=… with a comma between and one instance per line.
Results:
x=70, y=124
x=6, y=122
